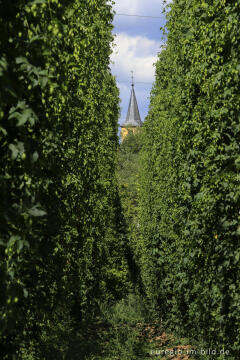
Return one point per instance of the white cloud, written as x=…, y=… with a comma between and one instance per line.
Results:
x=126, y=6
x=136, y=53
x=140, y=7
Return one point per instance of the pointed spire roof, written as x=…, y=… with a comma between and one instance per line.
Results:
x=133, y=116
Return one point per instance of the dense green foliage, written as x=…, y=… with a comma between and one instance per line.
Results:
x=64, y=244
x=128, y=183
x=189, y=250
x=127, y=176
x=60, y=221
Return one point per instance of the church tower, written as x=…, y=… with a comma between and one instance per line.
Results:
x=133, y=119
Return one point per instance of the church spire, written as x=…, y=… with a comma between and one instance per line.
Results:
x=132, y=78
x=133, y=118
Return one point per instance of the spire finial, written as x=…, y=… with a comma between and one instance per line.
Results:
x=132, y=78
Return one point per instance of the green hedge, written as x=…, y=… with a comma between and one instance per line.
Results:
x=189, y=199
x=59, y=208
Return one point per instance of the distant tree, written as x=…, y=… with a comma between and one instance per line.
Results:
x=127, y=173
x=128, y=182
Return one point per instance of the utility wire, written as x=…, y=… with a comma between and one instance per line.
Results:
x=142, y=16
x=136, y=82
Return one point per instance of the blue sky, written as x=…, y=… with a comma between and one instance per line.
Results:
x=137, y=43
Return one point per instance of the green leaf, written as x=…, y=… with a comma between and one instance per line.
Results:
x=237, y=162
x=24, y=117
x=22, y=114
x=25, y=293
x=4, y=131
x=14, y=151
x=35, y=156
x=21, y=60
x=38, y=2
x=43, y=81
x=36, y=211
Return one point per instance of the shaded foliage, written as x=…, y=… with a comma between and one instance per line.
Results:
x=60, y=221
x=189, y=195
x=128, y=184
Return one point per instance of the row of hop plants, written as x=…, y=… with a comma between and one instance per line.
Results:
x=189, y=213
x=61, y=232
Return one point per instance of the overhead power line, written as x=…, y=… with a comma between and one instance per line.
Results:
x=136, y=82
x=142, y=16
